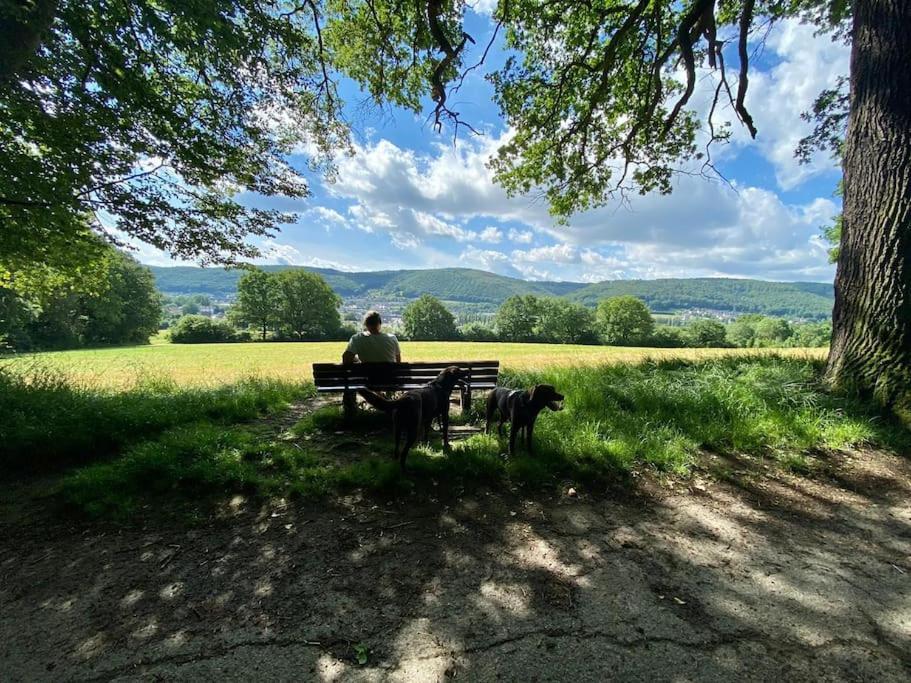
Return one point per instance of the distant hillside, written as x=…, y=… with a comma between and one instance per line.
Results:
x=453, y=284
x=794, y=299
x=797, y=299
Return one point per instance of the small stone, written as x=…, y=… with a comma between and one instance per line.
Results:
x=571, y=492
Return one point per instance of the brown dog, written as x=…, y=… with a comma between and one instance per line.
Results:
x=521, y=409
x=413, y=413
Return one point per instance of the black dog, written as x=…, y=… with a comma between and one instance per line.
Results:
x=413, y=413
x=521, y=409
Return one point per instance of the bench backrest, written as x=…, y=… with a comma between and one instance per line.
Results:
x=395, y=376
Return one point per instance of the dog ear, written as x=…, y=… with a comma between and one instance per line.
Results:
x=534, y=391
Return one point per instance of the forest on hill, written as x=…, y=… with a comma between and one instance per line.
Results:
x=810, y=300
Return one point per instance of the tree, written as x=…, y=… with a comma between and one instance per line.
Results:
x=477, y=332
x=741, y=332
x=157, y=113
x=811, y=334
x=130, y=310
x=307, y=306
x=624, y=320
x=118, y=304
x=257, y=300
x=773, y=331
x=871, y=335
x=517, y=318
x=706, y=334
x=426, y=319
x=564, y=322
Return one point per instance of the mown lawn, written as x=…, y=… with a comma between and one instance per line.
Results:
x=214, y=364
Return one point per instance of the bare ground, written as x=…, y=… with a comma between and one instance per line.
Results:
x=758, y=578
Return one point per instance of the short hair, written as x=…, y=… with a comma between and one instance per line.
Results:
x=372, y=319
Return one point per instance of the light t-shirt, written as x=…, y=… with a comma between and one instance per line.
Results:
x=374, y=348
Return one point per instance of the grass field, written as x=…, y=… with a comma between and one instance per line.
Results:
x=218, y=364
x=167, y=423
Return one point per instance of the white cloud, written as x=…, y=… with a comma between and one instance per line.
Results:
x=491, y=234
x=703, y=228
x=402, y=240
x=286, y=254
x=329, y=217
x=521, y=236
x=431, y=225
x=487, y=259
x=776, y=98
x=486, y=7
x=557, y=253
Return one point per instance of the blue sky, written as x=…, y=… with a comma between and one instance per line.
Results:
x=410, y=198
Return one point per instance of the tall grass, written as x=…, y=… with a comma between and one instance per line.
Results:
x=47, y=420
x=662, y=413
x=617, y=419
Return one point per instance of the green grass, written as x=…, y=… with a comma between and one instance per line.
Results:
x=49, y=420
x=618, y=419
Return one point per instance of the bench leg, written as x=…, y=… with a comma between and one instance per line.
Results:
x=349, y=404
x=466, y=401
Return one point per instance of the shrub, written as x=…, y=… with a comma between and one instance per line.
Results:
x=667, y=338
x=478, y=332
x=198, y=329
x=706, y=334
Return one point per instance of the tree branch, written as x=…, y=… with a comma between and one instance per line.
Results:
x=686, y=40
x=746, y=19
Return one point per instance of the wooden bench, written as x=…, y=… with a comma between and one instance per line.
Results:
x=334, y=377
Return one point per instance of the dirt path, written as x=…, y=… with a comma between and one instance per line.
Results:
x=786, y=579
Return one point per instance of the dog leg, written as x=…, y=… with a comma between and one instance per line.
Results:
x=396, y=429
x=412, y=436
x=513, y=433
x=491, y=409
x=529, y=428
x=444, y=425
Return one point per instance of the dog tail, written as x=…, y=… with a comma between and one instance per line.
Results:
x=377, y=401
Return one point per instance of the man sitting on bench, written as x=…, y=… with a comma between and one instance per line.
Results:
x=370, y=346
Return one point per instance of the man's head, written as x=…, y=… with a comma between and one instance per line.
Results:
x=372, y=322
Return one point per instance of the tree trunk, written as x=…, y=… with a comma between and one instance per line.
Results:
x=22, y=27
x=871, y=336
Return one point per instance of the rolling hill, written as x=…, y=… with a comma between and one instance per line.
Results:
x=481, y=289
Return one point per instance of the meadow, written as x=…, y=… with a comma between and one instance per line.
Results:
x=182, y=425
x=194, y=365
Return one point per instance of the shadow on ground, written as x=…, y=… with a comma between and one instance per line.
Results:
x=748, y=578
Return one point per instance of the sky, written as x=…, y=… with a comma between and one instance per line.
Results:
x=412, y=198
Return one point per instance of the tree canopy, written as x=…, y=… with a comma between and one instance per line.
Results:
x=118, y=305
x=155, y=115
x=625, y=320
x=427, y=319
x=307, y=306
x=258, y=300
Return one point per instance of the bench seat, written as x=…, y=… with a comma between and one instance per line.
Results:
x=335, y=377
